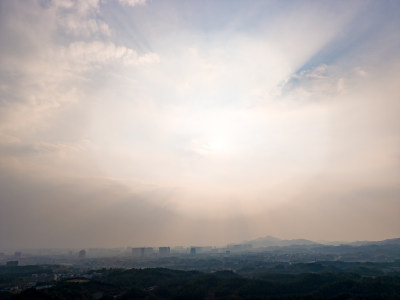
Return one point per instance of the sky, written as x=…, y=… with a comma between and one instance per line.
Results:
x=153, y=123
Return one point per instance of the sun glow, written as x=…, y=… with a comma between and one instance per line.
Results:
x=208, y=146
x=217, y=145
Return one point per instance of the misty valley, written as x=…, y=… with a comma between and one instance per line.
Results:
x=265, y=268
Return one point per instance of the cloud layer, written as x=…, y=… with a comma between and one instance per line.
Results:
x=148, y=123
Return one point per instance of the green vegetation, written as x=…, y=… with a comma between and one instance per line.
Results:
x=161, y=283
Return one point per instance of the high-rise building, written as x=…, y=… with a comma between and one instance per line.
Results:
x=136, y=252
x=82, y=253
x=164, y=251
x=147, y=251
x=142, y=251
x=193, y=251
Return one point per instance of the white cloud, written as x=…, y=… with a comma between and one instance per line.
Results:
x=82, y=7
x=195, y=119
x=45, y=78
x=132, y=2
x=78, y=18
x=63, y=3
x=98, y=53
x=78, y=26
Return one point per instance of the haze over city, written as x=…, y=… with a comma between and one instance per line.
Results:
x=161, y=123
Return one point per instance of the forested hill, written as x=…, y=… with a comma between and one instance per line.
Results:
x=160, y=283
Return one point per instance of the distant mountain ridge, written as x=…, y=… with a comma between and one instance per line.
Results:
x=270, y=241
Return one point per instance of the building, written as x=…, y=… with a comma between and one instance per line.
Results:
x=240, y=247
x=142, y=251
x=82, y=253
x=193, y=251
x=164, y=251
x=205, y=249
x=136, y=252
x=146, y=251
x=179, y=249
x=12, y=263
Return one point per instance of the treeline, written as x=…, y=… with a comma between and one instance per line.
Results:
x=159, y=283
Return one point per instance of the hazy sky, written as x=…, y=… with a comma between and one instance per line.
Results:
x=146, y=123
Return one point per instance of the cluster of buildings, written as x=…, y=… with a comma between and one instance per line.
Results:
x=52, y=257
x=149, y=251
x=14, y=261
x=166, y=251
